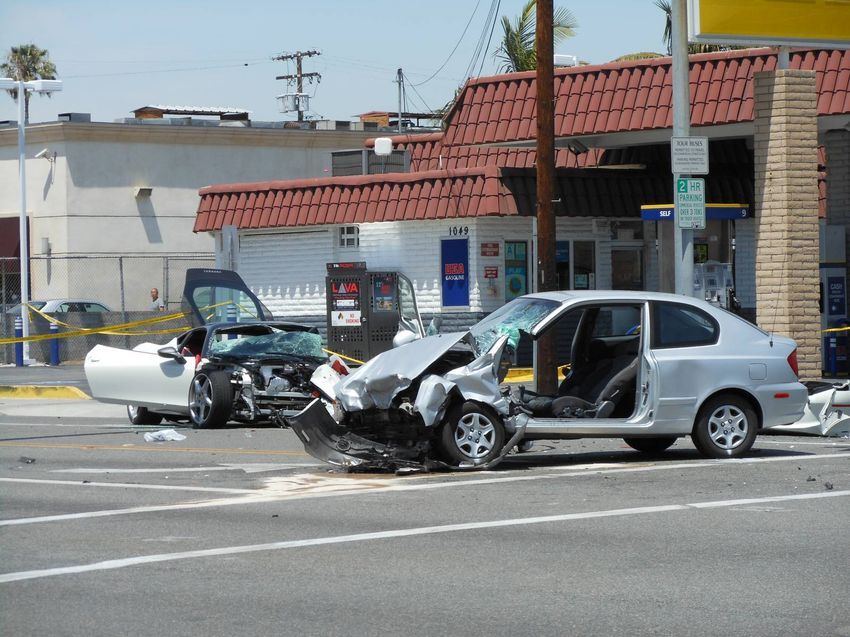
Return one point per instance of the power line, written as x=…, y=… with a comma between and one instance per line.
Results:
x=490, y=37
x=151, y=72
x=443, y=65
x=480, y=48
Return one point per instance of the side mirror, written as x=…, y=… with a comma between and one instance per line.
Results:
x=403, y=337
x=172, y=353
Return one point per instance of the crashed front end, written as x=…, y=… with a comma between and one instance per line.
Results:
x=389, y=413
x=270, y=368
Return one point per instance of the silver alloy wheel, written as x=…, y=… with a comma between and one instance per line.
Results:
x=475, y=435
x=200, y=400
x=728, y=426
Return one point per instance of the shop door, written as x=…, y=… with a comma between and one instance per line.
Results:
x=627, y=269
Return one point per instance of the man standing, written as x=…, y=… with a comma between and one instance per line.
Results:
x=156, y=303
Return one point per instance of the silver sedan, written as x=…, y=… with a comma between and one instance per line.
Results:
x=642, y=366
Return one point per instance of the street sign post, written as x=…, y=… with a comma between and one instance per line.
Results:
x=690, y=203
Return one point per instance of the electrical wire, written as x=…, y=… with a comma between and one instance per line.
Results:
x=465, y=29
x=152, y=72
x=421, y=99
x=490, y=37
x=480, y=51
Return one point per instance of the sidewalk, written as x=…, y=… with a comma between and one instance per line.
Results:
x=66, y=381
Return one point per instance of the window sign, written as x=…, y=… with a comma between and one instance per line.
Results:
x=383, y=292
x=516, y=269
x=454, y=268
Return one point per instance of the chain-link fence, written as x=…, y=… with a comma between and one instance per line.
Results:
x=122, y=284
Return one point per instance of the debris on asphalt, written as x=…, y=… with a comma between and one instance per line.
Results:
x=828, y=486
x=811, y=479
x=26, y=460
x=163, y=435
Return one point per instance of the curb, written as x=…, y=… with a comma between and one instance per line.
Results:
x=63, y=392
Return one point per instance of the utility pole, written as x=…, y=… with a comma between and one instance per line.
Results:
x=400, y=80
x=299, y=74
x=546, y=372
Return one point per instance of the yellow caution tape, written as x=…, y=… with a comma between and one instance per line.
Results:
x=835, y=329
x=343, y=356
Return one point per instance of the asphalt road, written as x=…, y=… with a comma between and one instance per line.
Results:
x=237, y=531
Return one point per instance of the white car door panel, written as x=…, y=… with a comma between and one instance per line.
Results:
x=139, y=378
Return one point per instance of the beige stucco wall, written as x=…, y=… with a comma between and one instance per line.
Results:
x=84, y=203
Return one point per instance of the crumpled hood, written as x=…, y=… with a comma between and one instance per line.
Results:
x=377, y=382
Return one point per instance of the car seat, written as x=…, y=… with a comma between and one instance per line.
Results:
x=606, y=395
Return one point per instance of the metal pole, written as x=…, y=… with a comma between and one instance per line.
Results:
x=683, y=239
x=546, y=372
x=121, y=279
x=23, y=235
x=399, y=79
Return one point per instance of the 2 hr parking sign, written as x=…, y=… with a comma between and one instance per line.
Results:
x=690, y=203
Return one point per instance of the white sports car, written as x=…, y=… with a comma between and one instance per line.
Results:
x=217, y=371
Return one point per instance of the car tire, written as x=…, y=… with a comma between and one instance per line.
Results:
x=725, y=427
x=142, y=415
x=210, y=399
x=472, y=434
x=650, y=445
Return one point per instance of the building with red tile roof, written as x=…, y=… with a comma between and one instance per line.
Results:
x=612, y=126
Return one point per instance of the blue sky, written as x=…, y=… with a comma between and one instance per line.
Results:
x=117, y=56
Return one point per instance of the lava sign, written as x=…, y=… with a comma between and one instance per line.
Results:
x=345, y=304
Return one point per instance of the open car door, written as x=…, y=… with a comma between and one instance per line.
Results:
x=211, y=295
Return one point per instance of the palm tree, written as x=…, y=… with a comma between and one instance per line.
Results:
x=518, y=50
x=27, y=62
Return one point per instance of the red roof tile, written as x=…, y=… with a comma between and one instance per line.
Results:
x=359, y=199
x=635, y=95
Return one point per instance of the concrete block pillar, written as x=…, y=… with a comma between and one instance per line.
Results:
x=786, y=201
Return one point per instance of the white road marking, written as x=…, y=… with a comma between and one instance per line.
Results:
x=249, y=467
x=829, y=442
x=130, y=428
x=126, y=485
x=399, y=533
x=309, y=486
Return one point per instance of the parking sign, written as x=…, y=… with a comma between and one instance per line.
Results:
x=690, y=203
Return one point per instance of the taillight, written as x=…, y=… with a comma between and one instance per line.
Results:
x=792, y=362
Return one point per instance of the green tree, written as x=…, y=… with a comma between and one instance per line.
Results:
x=518, y=50
x=27, y=62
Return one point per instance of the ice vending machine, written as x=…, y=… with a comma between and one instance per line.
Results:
x=366, y=310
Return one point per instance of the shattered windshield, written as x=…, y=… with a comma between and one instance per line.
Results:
x=520, y=315
x=275, y=343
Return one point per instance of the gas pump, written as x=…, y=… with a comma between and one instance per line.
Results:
x=367, y=310
x=713, y=282
x=833, y=299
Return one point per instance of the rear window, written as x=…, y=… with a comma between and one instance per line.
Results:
x=679, y=325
